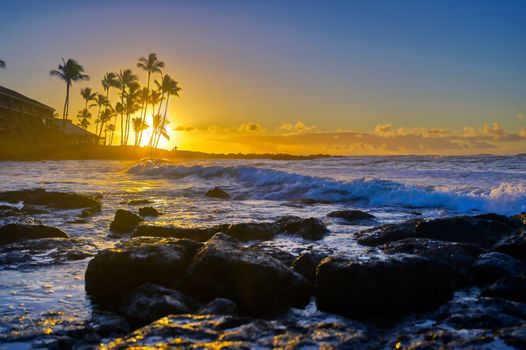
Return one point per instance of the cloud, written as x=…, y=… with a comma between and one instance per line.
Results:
x=184, y=128
x=250, y=127
x=299, y=127
x=383, y=130
x=387, y=130
x=493, y=130
x=521, y=116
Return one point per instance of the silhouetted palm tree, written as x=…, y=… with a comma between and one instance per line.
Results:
x=158, y=128
x=124, y=80
x=100, y=101
x=131, y=105
x=105, y=117
x=69, y=71
x=111, y=129
x=170, y=87
x=84, y=116
x=138, y=126
x=88, y=95
x=150, y=65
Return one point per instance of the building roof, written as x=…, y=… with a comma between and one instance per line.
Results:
x=18, y=96
x=72, y=129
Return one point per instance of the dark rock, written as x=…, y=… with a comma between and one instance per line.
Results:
x=149, y=302
x=311, y=228
x=510, y=288
x=199, y=234
x=125, y=221
x=20, y=232
x=259, y=283
x=219, y=306
x=139, y=202
x=86, y=213
x=312, y=201
x=266, y=247
x=113, y=273
x=514, y=245
x=351, y=215
x=512, y=222
x=217, y=192
x=521, y=217
x=387, y=233
x=308, y=261
x=494, y=265
x=59, y=200
x=382, y=288
x=252, y=231
x=460, y=256
x=148, y=211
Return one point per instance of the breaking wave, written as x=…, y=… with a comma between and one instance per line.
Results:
x=271, y=184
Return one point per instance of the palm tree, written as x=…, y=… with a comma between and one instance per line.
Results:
x=105, y=117
x=158, y=129
x=138, y=126
x=88, y=95
x=131, y=105
x=124, y=80
x=150, y=65
x=84, y=117
x=69, y=71
x=100, y=101
x=2, y=64
x=111, y=129
x=171, y=87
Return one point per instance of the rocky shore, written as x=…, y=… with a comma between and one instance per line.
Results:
x=453, y=282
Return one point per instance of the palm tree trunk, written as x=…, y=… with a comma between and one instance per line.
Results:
x=97, y=121
x=163, y=121
x=145, y=107
x=122, y=116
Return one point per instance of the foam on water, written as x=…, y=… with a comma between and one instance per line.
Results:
x=271, y=184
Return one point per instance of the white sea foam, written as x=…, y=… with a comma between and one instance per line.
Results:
x=272, y=184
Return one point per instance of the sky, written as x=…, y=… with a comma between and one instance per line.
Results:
x=302, y=77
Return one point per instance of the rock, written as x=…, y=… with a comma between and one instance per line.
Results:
x=460, y=256
x=521, y=217
x=86, y=213
x=311, y=228
x=351, y=215
x=308, y=261
x=125, y=221
x=382, y=288
x=114, y=272
x=21, y=232
x=139, y=202
x=494, y=265
x=217, y=192
x=148, y=211
x=312, y=201
x=267, y=247
x=512, y=222
x=387, y=233
x=514, y=245
x=149, y=302
x=59, y=200
x=252, y=231
x=510, y=288
x=219, y=306
x=199, y=234
x=259, y=283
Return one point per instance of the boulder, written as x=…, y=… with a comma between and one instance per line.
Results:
x=267, y=247
x=149, y=302
x=248, y=231
x=383, y=288
x=125, y=221
x=59, y=200
x=308, y=261
x=351, y=215
x=311, y=228
x=521, y=217
x=387, y=233
x=511, y=288
x=259, y=283
x=217, y=192
x=199, y=234
x=514, y=245
x=114, y=272
x=22, y=232
x=492, y=266
x=460, y=256
x=219, y=306
x=148, y=211
x=511, y=221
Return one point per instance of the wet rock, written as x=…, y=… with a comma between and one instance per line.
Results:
x=86, y=213
x=259, y=283
x=510, y=288
x=219, y=306
x=521, y=217
x=311, y=228
x=308, y=261
x=230, y=332
x=266, y=247
x=217, y=192
x=351, y=215
x=113, y=273
x=514, y=245
x=512, y=222
x=21, y=232
x=387, y=233
x=139, y=202
x=148, y=211
x=125, y=221
x=59, y=200
x=460, y=256
x=492, y=266
x=382, y=288
x=150, y=302
x=199, y=234
x=312, y=201
x=249, y=231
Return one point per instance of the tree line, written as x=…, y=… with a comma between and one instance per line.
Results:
x=133, y=99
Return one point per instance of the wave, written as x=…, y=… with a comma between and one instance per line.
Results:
x=270, y=184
